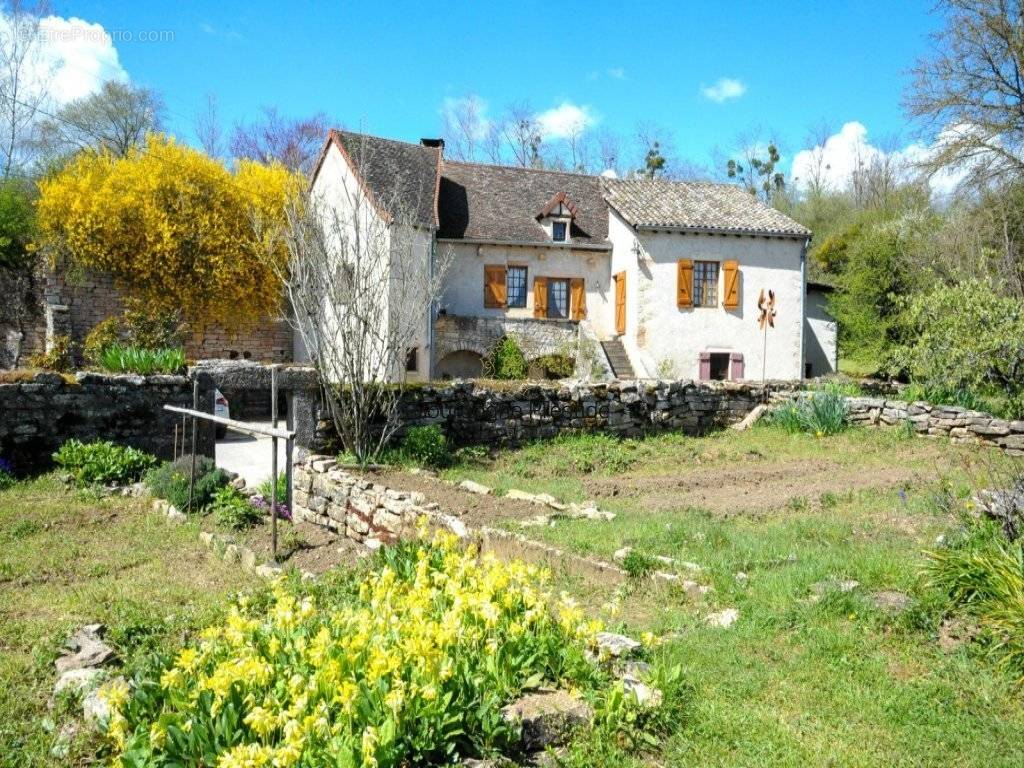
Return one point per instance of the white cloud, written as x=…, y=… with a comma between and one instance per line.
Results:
x=78, y=56
x=725, y=89
x=844, y=152
x=565, y=120
x=618, y=73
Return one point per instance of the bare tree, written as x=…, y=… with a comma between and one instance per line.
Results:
x=115, y=119
x=273, y=137
x=816, y=183
x=362, y=284
x=24, y=77
x=464, y=126
x=208, y=127
x=970, y=90
x=578, y=148
x=523, y=136
x=609, y=151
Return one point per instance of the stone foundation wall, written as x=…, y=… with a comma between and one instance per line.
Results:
x=38, y=414
x=326, y=495
x=959, y=424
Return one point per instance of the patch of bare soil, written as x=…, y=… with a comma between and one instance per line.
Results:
x=302, y=545
x=749, y=488
x=474, y=509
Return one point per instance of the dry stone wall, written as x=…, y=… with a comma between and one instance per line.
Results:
x=958, y=424
x=361, y=510
x=41, y=412
x=476, y=413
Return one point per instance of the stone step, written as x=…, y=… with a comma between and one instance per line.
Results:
x=618, y=359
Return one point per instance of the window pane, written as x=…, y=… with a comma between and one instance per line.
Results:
x=558, y=298
x=515, y=283
x=705, y=283
x=558, y=231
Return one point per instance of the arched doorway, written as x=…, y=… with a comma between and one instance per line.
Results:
x=461, y=364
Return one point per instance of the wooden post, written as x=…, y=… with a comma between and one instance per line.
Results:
x=273, y=464
x=175, y=449
x=195, y=428
x=289, y=445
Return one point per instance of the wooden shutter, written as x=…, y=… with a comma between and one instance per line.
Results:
x=704, y=366
x=540, y=297
x=495, y=290
x=736, y=361
x=620, y=303
x=731, y=270
x=684, y=289
x=577, y=299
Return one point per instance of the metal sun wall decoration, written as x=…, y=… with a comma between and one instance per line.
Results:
x=765, y=320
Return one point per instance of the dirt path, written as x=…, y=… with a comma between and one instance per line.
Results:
x=751, y=488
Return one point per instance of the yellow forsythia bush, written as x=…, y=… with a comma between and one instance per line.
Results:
x=174, y=227
x=408, y=665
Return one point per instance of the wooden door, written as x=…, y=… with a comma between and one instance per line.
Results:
x=620, y=303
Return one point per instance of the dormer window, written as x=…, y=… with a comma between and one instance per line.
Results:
x=556, y=217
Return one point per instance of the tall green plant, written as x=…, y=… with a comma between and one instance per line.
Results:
x=819, y=413
x=121, y=359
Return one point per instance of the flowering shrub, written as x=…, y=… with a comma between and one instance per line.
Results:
x=409, y=665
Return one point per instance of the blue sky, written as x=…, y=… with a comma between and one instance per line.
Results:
x=388, y=67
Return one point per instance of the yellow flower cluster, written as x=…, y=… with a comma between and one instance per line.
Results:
x=174, y=227
x=378, y=678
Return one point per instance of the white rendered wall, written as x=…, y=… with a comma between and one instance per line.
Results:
x=668, y=340
x=464, y=287
x=820, y=334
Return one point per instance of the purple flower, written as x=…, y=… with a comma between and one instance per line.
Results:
x=261, y=503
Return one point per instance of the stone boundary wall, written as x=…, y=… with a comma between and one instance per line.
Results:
x=473, y=413
x=43, y=410
x=958, y=424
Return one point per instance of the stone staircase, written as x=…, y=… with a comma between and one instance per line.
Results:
x=618, y=359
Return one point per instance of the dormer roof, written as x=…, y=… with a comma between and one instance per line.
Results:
x=559, y=199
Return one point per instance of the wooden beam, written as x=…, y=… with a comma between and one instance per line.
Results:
x=239, y=426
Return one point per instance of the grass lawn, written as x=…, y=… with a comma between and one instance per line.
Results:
x=795, y=681
x=68, y=559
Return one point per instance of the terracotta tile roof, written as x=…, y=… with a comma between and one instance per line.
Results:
x=398, y=174
x=500, y=203
x=474, y=201
x=700, y=206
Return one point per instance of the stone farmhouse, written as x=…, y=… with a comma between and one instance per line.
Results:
x=654, y=278
x=659, y=278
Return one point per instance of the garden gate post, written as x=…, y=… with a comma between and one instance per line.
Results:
x=195, y=429
x=273, y=464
